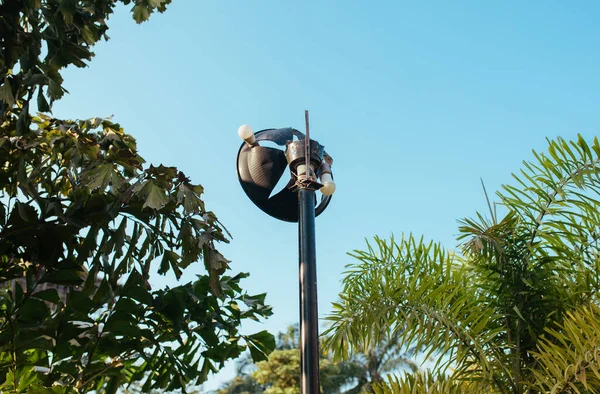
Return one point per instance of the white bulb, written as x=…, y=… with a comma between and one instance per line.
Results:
x=328, y=188
x=328, y=184
x=246, y=133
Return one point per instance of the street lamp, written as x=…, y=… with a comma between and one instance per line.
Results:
x=259, y=170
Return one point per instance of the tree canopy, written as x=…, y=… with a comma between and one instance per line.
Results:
x=280, y=374
x=84, y=222
x=514, y=310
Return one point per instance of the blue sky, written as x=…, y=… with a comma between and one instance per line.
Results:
x=415, y=102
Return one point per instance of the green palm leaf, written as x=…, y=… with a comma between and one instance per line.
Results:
x=494, y=313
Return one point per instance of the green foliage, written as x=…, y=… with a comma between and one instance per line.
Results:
x=242, y=384
x=41, y=37
x=503, y=313
x=281, y=372
x=83, y=224
x=428, y=383
x=569, y=355
x=380, y=356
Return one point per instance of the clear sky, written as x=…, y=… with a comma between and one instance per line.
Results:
x=415, y=101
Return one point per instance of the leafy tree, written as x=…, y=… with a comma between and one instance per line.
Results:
x=281, y=372
x=516, y=310
x=243, y=384
x=83, y=223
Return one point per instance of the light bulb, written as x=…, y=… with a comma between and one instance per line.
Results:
x=328, y=184
x=246, y=133
x=328, y=188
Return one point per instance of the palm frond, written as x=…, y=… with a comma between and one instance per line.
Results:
x=428, y=383
x=516, y=295
x=556, y=197
x=423, y=291
x=568, y=358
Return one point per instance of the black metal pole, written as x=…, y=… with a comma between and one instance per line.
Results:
x=309, y=330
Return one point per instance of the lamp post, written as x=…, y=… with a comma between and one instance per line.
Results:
x=259, y=170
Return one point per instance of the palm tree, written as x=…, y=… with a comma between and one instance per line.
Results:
x=378, y=358
x=514, y=310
